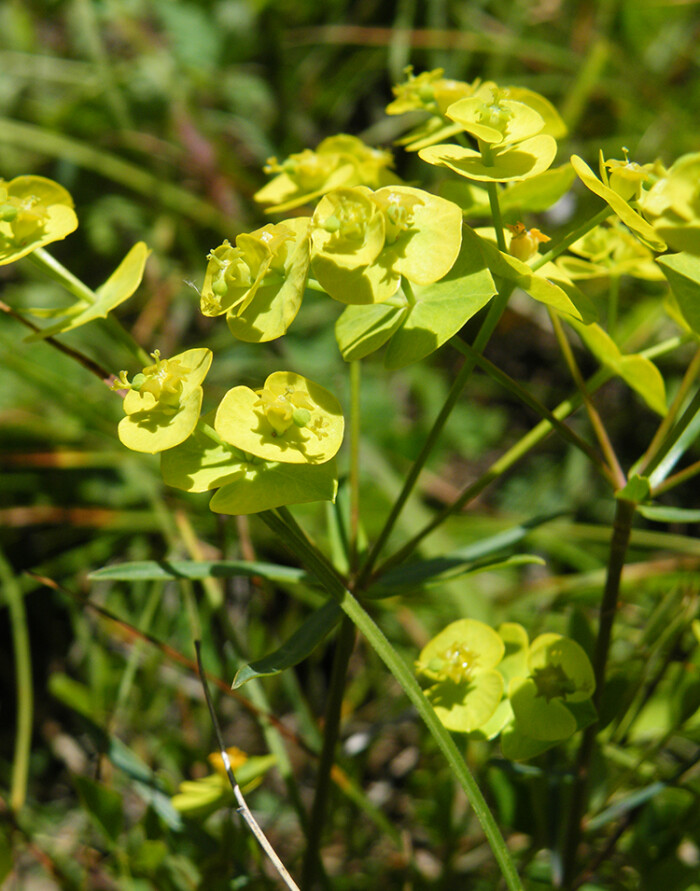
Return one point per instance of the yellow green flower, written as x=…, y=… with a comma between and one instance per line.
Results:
x=163, y=401
x=291, y=420
x=259, y=283
x=461, y=662
x=338, y=161
x=672, y=204
x=34, y=211
x=362, y=242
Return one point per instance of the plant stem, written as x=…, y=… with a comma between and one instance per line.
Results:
x=355, y=420
x=341, y=658
x=25, y=693
x=243, y=808
x=562, y=245
x=508, y=383
x=622, y=527
x=55, y=270
x=689, y=377
x=516, y=452
x=595, y=419
x=316, y=564
x=497, y=469
x=493, y=316
x=677, y=478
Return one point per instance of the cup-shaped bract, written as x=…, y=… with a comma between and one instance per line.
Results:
x=291, y=420
x=559, y=673
x=260, y=282
x=503, y=164
x=423, y=233
x=461, y=661
x=163, y=403
x=493, y=118
x=363, y=241
x=672, y=204
x=348, y=234
x=427, y=91
x=34, y=211
x=340, y=160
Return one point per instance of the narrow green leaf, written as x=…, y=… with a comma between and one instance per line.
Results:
x=466, y=557
x=165, y=570
x=645, y=232
x=539, y=287
x=426, y=573
x=624, y=805
x=300, y=645
x=119, y=287
x=661, y=514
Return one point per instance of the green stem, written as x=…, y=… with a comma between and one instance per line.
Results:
x=355, y=419
x=316, y=564
x=622, y=527
x=25, y=692
x=689, y=377
x=496, y=470
x=516, y=452
x=613, y=304
x=55, y=270
x=508, y=383
x=673, y=436
x=593, y=416
x=341, y=658
x=562, y=245
x=493, y=316
x=677, y=478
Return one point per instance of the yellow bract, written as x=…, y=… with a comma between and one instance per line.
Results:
x=340, y=160
x=34, y=211
x=291, y=420
x=362, y=242
x=163, y=403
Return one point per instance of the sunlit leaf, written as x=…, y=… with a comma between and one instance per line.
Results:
x=297, y=648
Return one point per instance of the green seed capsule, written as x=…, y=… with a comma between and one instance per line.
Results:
x=8, y=213
x=301, y=417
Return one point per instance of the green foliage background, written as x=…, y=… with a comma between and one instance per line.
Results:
x=158, y=117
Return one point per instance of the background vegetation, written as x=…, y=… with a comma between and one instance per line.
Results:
x=158, y=116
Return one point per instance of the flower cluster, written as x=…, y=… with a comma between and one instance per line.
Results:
x=338, y=161
x=487, y=682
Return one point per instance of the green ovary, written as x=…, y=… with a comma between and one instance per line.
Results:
x=347, y=222
x=494, y=115
x=163, y=380
x=284, y=408
x=25, y=216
